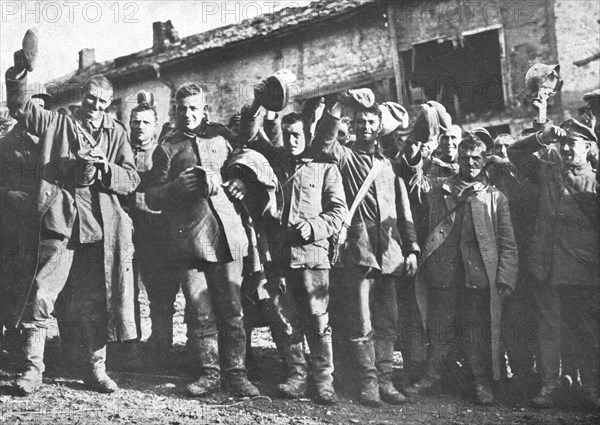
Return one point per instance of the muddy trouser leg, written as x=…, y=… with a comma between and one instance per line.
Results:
x=224, y=282
x=356, y=289
x=201, y=322
x=312, y=295
x=339, y=326
x=548, y=316
x=442, y=329
x=411, y=341
x=53, y=266
x=10, y=286
x=384, y=308
x=162, y=283
x=88, y=283
x=581, y=311
x=287, y=314
x=569, y=344
x=519, y=329
x=475, y=327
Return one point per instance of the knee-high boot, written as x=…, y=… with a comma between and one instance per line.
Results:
x=33, y=343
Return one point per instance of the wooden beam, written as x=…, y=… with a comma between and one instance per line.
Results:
x=585, y=61
x=398, y=71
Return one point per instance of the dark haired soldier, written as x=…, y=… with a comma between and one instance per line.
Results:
x=313, y=209
x=469, y=264
x=149, y=230
x=84, y=233
x=381, y=246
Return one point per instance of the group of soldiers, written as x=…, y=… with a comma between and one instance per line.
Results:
x=446, y=237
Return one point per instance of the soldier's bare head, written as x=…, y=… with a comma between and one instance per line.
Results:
x=294, y=134
x=471, y=157
x=97, y=95
x=449, y=142
x=190, y=108
x=367, y=124
x=143, y=123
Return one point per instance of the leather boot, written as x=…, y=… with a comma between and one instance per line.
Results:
x=321, y=354
x=95, y=376
x=297, y=372
x=484, y=396
x=431, y=381
x=33, y=344
x=384, y=355
x=234, y=361
x=10, y=352
x=548, y=396
x=364, y=354
x=205, y=349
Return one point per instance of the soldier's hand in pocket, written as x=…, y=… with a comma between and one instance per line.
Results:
x=304, y=230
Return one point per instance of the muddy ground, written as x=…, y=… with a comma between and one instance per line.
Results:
x=155, y=395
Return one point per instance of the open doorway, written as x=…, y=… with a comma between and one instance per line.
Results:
x=465, y=75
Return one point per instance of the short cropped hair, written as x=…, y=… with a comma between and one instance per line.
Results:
x=188, y=90
x=144, y=106
x=100, y=81
x=471, y=142
x=374, y=109
x=292, y=118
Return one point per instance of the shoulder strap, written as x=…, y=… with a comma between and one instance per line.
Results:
x=93, y=142
x=362, y=192
x=468, y=194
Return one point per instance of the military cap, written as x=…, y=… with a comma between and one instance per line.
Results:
x=577, y=130
x=393, y=115
x=358, y=98
x=484, y=136
x=145, y=97
x=593, y=95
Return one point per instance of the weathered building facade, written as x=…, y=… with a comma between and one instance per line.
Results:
x=472, y=56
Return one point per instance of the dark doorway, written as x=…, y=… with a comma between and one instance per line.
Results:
x=465, y=75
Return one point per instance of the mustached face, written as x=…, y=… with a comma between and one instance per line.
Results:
x=143, y=126
x=470, y=163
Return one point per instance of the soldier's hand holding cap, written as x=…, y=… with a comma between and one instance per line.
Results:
x=550, y=134
x=235, y=188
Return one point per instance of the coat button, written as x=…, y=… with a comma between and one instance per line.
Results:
x=441, y=230
x=48, y=193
